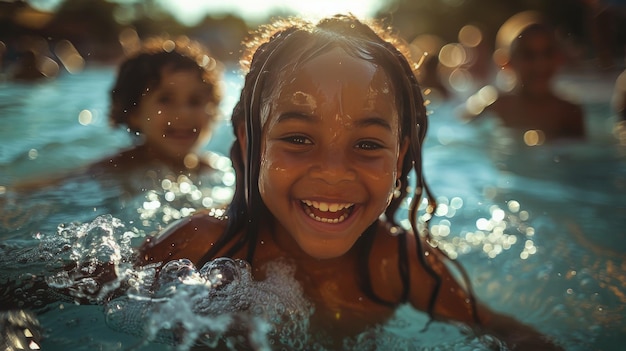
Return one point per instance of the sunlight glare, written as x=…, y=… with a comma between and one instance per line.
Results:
x=192, y=11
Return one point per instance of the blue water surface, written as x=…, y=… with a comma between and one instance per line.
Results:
x=539, y=229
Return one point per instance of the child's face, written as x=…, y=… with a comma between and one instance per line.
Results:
x=330, y=152
x=175, y=115
x=535, y=59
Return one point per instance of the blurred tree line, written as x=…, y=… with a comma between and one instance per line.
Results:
x=445, y=17
x=596, y=26
x=93, y=26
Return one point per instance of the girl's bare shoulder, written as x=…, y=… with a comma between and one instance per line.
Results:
x=391, y=246
x=426, y=273
x=189, y=237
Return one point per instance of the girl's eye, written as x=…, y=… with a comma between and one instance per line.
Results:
x=368, y=145
x=297, y=139
x=164, y=99
x=195, y=101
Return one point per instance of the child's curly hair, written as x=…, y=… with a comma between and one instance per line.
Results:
x=142, y=70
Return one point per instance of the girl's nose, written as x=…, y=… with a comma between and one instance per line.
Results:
x=181, y=114
x=184, y=111
x=332, y=166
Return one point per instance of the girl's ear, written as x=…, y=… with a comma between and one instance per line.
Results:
x=243, y=141
x=404, y=147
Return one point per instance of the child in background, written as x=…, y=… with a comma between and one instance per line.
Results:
x=533, y=105
x=329, y=125
x=618, y=100
x=168, y=95
x=27, y=69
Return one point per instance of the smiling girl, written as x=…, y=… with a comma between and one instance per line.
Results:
x=329, y=126
x=167, y=94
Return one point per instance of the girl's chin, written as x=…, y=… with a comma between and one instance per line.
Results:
x=326, y=252
x=321, y=242
x=185, y=158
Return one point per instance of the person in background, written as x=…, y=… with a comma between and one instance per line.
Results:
x=167, y=95
x=618, y=101
x=26, y=69
x=533, y=105
x=329, y=125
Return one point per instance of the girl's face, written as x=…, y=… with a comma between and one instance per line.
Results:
x=536, y=60
x=330, y=152
x=174, y=116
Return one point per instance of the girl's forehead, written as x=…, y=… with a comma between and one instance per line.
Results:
x=337, y=64
x=335, y=79
x=533, y=39
x=171, y=76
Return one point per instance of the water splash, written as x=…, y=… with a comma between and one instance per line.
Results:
x=180, y=196
x=97, y=258
x=220, y=304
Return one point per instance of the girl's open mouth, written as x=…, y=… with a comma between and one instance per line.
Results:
x=181, y=133
x=327, y=212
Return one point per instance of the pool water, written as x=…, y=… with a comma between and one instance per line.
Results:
x=539, y=229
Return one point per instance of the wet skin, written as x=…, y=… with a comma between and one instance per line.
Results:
x=536, y=61
x=330, y=153
x=331, y=148
x=174, y=117
x=534, y=106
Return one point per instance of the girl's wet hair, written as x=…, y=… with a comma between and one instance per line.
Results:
x=142, y=71
x=283, y=46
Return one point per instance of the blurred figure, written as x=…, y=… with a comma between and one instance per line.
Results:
x=29, y=59
x=600, y=19
x=533, y=106
x=26, y=69
x=618, y=102
x=167, y=95
x=619, y=96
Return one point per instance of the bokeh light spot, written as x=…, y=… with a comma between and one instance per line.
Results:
x=85, y=117
x=470, y=36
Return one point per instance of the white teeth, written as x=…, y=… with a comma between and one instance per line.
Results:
x=325, y=207
x=326, y=220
